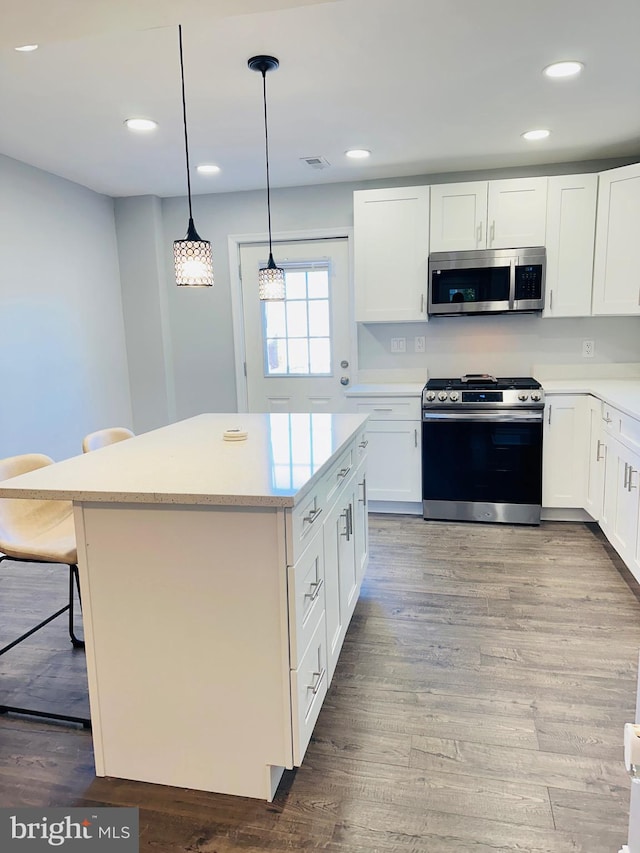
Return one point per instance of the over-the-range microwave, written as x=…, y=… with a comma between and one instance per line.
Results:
x=486, y=281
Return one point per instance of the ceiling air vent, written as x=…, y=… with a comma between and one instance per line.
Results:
x=316, y=162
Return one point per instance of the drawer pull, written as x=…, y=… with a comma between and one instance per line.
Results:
x=350, y=515
x=632, y=471
x=598, y=457
x=344, y=471
x=626, y=474
x=312, y=516
x=347, y=527
x=608, y=420
x=318, y=676
x=315, y=588
x=363, y=443
x=383, y=410
x=363, y=499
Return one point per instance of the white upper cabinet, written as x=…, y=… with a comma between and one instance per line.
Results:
x=616, y=275
x=571, y=223
x=458, y=217
x=488, y=215
x=391, y=247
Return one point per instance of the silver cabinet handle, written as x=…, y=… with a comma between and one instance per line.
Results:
x=350, y=518
x=318, y=676
x=551, y=300
x=415, y=437
x=493, y=231
x=479, y=237
x=632, y=471
x=314, y=588
x=383, y=410
x=549, y=420
x=312, y=515
x=422, y=303
x=608, y=420
x=363, y=443
x=626, y=474
x=344, y=471
x=598, y=457
x=345, y=515
x=363, y=499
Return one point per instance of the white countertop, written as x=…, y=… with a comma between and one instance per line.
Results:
x=189, y=463
x=385, y=389
x=623, y=394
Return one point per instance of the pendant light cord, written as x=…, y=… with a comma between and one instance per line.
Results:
x=266, y=150
x=184, y=118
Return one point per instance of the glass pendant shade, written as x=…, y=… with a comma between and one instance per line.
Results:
x=270, y=282
x=192, y=260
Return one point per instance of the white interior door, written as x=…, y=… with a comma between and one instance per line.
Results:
x=298, y=351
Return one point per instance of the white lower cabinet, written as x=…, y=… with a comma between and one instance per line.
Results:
x=597, y=460
x=394, y=435
x=564, y=444
x=621, y=505
x=329, y=542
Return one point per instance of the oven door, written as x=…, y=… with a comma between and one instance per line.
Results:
x=482, y=466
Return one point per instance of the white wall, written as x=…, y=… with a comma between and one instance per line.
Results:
x=198, y=324
x=63, y=366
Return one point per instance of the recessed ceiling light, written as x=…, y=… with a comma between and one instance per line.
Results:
x=566, y=68
x=25, y=48
x=358, y=153
x=208, y=169
x=536, y=134
x=141, y=124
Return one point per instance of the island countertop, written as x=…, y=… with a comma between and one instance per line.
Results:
x=189, y=462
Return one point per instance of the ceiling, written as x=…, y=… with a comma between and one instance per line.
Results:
x=429, y=86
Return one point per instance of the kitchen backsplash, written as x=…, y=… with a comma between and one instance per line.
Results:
x=503, y=345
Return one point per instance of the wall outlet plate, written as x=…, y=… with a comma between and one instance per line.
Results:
x=419, y=343
x=588, y=349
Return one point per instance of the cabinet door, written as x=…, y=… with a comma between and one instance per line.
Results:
x=571, y=223
x=391, y=247
x=394, y=461
x=360, y=523
x=564, y=450
x=339, y=555
x=348, y=568
x=623, y=520
x=517, y=213
x=594, y=490
x=616, y=286
x=458, y=217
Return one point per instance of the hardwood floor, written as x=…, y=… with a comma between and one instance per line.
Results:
x=477, y=707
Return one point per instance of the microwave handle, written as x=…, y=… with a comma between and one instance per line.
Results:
x=512, y=283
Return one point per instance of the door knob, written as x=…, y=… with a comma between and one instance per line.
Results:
x=344, y=380
x=344, y=364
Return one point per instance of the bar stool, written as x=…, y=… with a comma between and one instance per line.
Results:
x=39, y=531
x=103, y=437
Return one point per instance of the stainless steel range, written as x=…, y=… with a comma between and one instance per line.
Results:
x=482, y=449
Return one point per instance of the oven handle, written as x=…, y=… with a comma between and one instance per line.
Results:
x=484, y=417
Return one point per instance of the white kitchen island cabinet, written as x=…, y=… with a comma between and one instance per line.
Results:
x=203, y=574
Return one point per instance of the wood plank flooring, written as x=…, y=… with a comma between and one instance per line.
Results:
x=477, y=707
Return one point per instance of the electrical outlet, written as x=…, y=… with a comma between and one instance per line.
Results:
x=588, y=349
x=398, y=344
x=419, y=343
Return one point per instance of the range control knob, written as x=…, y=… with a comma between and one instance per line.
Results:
x=430, y=396
x=536, y=396
x=453, y=396
x=442, y=396
x=522, y=396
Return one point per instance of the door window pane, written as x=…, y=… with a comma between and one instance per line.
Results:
x=297, y=331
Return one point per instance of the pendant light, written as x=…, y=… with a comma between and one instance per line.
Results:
x=191, y=256
x=271, y=277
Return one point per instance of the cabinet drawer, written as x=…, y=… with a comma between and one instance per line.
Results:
x=389, y=408
x=337, y=476
x=308, y=689
x=306, y=597
x=306, y=519
x=611, y=420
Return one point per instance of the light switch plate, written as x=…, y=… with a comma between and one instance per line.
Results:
x=398, y=344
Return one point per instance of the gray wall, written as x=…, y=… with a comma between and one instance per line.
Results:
x=63, y=362
x=192, y=353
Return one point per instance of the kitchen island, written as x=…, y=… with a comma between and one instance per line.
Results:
x=218, y=579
